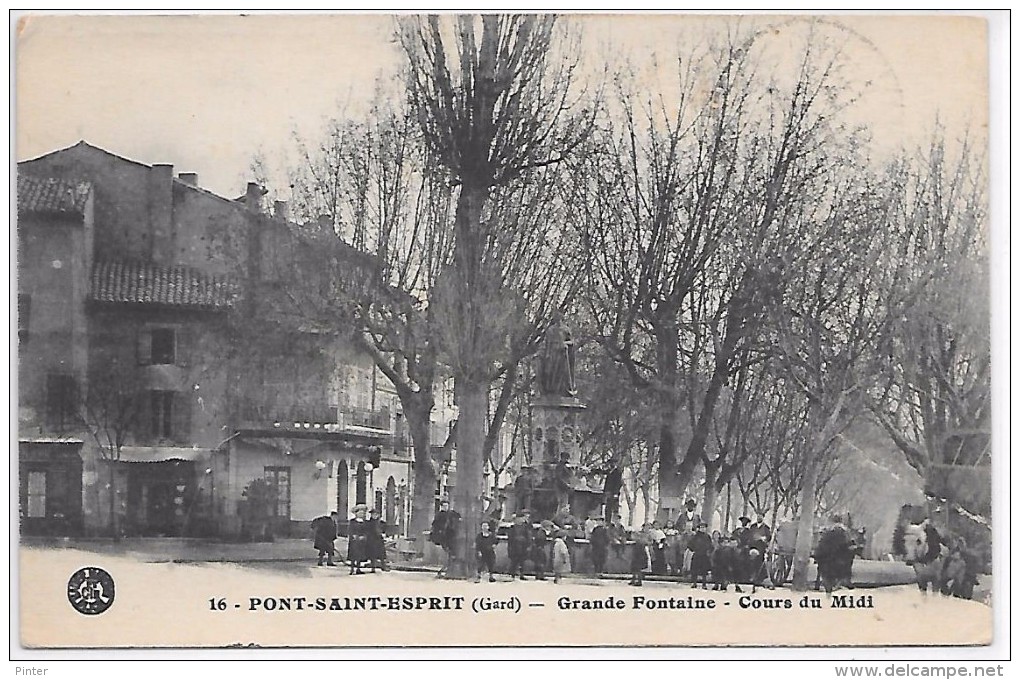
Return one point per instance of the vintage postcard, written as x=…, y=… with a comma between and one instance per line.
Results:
x=587, y=330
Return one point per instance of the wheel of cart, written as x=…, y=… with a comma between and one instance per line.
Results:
x=780, y=565
x=781, y=550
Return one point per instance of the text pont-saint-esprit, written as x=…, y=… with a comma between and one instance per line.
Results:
x=457, y=603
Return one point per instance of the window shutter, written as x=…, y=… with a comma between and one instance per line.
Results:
x=183, y=344
x=182, y=403
x=145, y=428
x=144, y=347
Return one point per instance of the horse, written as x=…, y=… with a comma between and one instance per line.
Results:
x=926, y=559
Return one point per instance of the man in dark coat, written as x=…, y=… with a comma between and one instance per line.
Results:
x=834, y=556
x=701, y=548
x=726, y=560
x=599, y=545
x=324, y=529
x=439, y=533
x=519, y=546
x=743, y=532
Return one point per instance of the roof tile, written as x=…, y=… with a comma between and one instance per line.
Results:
x=146, y=283
x=51, y=195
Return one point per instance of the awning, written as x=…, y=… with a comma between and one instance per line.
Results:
x=50, y=440
x=156, y=454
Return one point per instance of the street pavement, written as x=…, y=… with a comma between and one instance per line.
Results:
x=291, y=554
x=160, y=603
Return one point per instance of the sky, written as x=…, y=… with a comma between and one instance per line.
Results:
x=207, y=93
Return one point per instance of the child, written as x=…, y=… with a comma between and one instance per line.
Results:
x=485, y=546
x=560, y=557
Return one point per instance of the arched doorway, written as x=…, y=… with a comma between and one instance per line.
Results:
x=342, y=491
x=361, y=485
x=391, y=505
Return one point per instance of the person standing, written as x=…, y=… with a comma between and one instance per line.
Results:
x=324, y=529
x=519, y=547
x=540, y=548
x=560, y=557
x=657, y=549
x=686, y=524
x=438, y=533
x=701, y=548
x=599, y=541
x=357, y=534
x=485, y=547
x=376, y=541
x=617, y=536
x=639, y=556
x=743, y=532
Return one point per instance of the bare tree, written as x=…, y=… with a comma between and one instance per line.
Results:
x=691, y=227
x=936, y=404
x=111, y=409
x=495, y=106
x=854, y=277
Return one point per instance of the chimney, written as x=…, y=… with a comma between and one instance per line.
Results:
x=190, y=178
x=253, y=197
x=161, y=212
x=280, y=210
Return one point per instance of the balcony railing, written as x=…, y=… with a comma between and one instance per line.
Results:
x=361, y=417
x=320, y=417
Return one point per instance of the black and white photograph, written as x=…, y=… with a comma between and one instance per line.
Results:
x=462, y=330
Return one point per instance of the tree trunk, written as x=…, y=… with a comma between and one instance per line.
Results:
x=423, y=495
x=422, y=499
x=114, y=533
x=711, y=493
x=472, y=406
x=699, y=438
x=805, y=526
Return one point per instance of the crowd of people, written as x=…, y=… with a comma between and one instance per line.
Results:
x=682, y=548
x=366, y=547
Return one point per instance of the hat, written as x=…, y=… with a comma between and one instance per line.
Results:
x=744, y=520
x=360, y=507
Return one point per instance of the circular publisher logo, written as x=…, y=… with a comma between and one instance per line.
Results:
x=90, y=590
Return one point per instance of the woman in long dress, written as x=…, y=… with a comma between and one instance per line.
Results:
x=358, y=536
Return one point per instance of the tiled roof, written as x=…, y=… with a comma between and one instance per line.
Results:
x=145, y=283
x=51, y=195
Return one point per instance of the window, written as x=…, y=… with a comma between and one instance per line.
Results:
x=164, y=346
x=36, y=497
x=61, y=401
x=24, y=311
x=162, y=404
x=361, y=485
x=279, y=482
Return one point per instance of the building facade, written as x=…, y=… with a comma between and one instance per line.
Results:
x=158, y=395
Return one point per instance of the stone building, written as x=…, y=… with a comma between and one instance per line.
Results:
x=157, y=394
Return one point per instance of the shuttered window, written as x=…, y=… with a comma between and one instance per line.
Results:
x=61, y=401
x=162, y=414
x=36, y=494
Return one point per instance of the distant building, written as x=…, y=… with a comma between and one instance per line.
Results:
x=156, y=385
